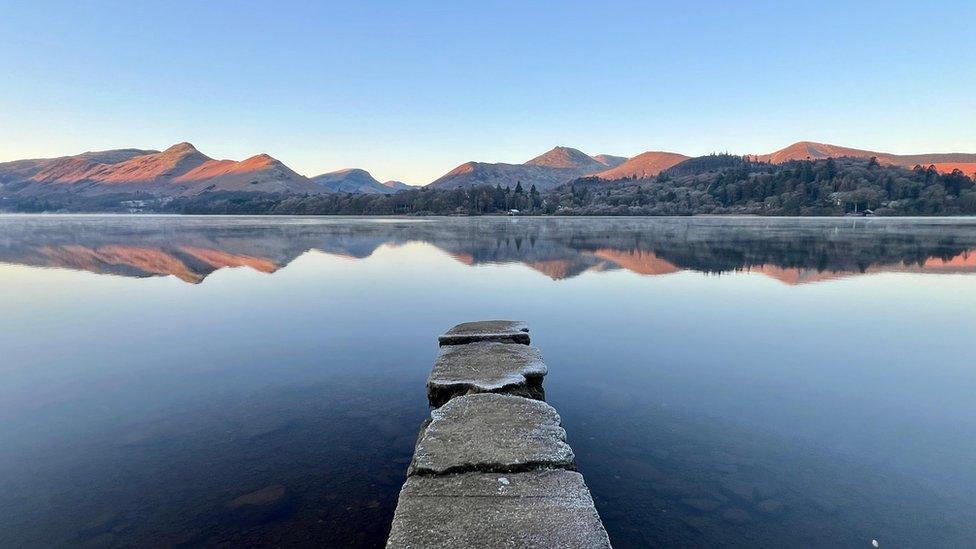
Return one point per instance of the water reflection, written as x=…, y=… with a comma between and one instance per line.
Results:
x=277, y=403
x=792, y=251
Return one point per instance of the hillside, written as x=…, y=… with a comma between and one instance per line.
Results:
x=546, y=171
x=566, y=158
x=180, y=170
x=643, y=166
x=24, y=170
x=735, y=185
x=968, y=168
x=609, y=160
x=809, y=150
x=355, y=180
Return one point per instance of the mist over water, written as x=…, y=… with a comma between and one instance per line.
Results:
x=176, y=381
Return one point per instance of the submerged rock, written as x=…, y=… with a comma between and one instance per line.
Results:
x=770, y=506
x=268, y=504
x=736, y=515
x=698, y=523
x=265, y=496
x=486, y=367
x=543, y=508
x=740, y=489
x=701, y=504
x=492, y=433
x=101, y=524
x=106, y=539
x=506, y=331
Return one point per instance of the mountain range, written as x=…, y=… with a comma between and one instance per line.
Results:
x=182, y=170
x=178, y=170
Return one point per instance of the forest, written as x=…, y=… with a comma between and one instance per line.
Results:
x=727, y=184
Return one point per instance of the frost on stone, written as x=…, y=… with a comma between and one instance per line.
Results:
x=492, y=433
x=505, y=331
x=486, y=367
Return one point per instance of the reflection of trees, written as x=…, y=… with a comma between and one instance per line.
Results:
x=191, y=248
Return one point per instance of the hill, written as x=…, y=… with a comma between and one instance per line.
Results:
x=643, y=166
x=809, y=150
x=546, y=171
x=735, y=185
x=609, y=160
x=566, y=158
x=23, y=170
x=355, y=180
x=180, y=170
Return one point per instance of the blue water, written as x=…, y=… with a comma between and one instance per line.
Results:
x=750, y=382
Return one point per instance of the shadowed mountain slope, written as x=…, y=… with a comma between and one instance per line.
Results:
x=551, y=169
x=355, y=180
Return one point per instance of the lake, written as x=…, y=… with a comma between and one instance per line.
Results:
x=183, y=381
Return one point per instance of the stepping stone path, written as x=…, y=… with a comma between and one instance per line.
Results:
x=492, y=467
x=486, y=367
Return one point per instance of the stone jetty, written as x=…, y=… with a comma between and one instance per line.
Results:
x=492, y=467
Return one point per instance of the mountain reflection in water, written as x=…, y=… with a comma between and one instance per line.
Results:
x=277, y=403
x=792, y=251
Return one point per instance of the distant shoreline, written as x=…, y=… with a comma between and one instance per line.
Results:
x=474, y=216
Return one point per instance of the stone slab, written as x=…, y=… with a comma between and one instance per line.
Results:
x=544, y=508
x=486, y=367
x=506, y=331
x=491, y=432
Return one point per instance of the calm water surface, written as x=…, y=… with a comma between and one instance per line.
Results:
x=245, y=381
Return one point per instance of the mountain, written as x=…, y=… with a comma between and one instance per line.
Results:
x=474, y=174
x=180, y=170
x=643, y=166
x=355, y=180
x=566, y=158
x=551, y=169
x=610, y=160
x=809, y=150
x=21, y=170
x=397, y=185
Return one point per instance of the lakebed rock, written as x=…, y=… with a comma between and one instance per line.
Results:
x=269, y=495
x=701, y=504
x=770, y=506
x=491, y=432
x=736, y=515
x=544, y=508
x=506, y=331
x=486, y=367
x=273, y=502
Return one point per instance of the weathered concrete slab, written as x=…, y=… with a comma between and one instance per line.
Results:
x=506, y=331
x=545, y=508
x=491, y=467
x=486, y=367
x=492, y=432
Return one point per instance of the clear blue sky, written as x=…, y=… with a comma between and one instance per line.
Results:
x=410, y=89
